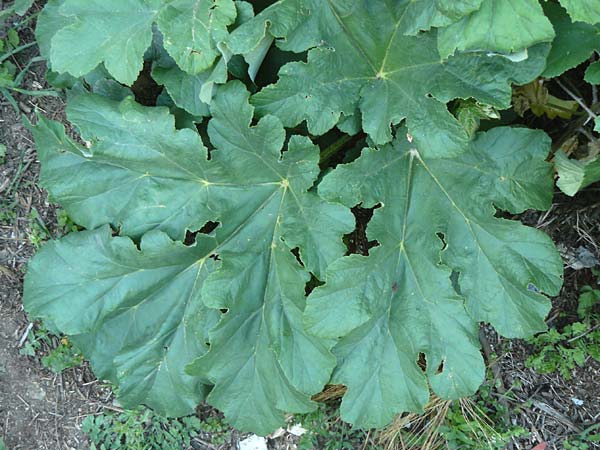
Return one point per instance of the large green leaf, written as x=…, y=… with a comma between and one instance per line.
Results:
x=140, y=174
x=574, y=42
x=583, y=10
x=366, y=62
x=118, y=33
x=436, y=224
x=502, y=26
x=140, y=311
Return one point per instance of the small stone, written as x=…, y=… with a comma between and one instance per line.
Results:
x=253, y=442
x=297, y=430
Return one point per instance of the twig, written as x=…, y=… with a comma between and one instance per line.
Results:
x=591, y=113
x=208, y=445
x=583, y=334
x=25, y=334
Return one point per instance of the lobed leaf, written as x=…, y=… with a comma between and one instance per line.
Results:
x=144, y=177
x=443, y=264
x=380, y=80
x=138, y=314
x=118, y=33
x=190, y=281
x=113, y=32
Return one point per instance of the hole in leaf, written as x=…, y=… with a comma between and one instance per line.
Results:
x=268, y=71
x=209, y=227
x=313, y=283
x=202, y=129
x=440, y=368
x=501, y=214
x=442, y=238
x=357, y=241
x=296, y=253
x=422, y=362
x=190, y=236
x=145, y=89
x=339, y=148
x=224, y=310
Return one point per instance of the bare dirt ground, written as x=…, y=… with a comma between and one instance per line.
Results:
x=40, y=410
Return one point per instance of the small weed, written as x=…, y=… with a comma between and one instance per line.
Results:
x=7, y=216
x=588, y=299
x=60, y=357
x=141, y=429
x=11, y=75
x=475, y=426
x=326, y=431
x=65, y=224
x=38, y=232
x=219, y=431
x=64, y=356
x=563, y=351
x=585, y=440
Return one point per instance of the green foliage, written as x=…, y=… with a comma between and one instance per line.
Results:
x=577, y=31
x=378, y=85
x=38, y=233
x=563, y=351
x=203, y=224
x=59, y=357
x=325, y=431
x=461, y=430
x=588, y=298
x=219, y=431
x=587, y=439
x=140, y=429
x=11, y=77
x=574, y=174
